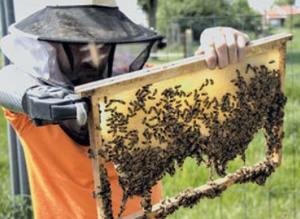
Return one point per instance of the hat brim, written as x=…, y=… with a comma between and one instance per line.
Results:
x=84, y=24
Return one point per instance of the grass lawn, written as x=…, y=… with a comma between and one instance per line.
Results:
x=278, y=199
x=4, y=165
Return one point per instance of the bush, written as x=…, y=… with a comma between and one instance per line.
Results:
x=15, y=208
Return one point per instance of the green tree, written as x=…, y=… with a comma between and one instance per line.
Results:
x=201, y=14
x=195, y=14
x=284, y=2
x=150, y=8
x=245, y=17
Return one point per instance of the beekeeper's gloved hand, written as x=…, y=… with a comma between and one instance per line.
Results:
x=51, y=105
x=44, y=104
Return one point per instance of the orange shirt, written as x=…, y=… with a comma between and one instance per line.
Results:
x=60, y=174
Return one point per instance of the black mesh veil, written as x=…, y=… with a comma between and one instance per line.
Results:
x=130, y=57
x=114, y=59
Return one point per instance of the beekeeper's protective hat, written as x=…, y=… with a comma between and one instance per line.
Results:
x=100, y=21
x=122, y=45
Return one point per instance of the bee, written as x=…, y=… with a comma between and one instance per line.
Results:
x=186, y=103
x=101, y=153
x=178, y=86
x=90, y=153
x=189, y=94
x=272, y=61
x=146, y=87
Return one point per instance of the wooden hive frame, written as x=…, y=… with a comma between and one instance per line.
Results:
x=97, y=90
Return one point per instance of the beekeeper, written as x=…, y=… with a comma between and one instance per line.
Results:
x=50, y=55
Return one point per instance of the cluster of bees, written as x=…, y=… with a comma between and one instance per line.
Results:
x=187, y=199
x=257, y=174
x=104, y=191
x=174, y=120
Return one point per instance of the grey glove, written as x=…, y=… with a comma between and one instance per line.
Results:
x=22, y=93
x=52, y=105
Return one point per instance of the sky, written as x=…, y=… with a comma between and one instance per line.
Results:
x=261, y=5
x=132, y=11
